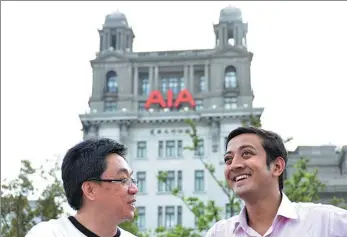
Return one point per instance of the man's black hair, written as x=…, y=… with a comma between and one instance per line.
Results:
x=83, y=161
x=271, y=142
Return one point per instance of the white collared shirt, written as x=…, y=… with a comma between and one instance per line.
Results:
x=292, y=219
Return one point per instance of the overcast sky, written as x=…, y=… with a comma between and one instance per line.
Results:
x=298, y=70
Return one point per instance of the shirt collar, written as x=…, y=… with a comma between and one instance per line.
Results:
x=286, y=209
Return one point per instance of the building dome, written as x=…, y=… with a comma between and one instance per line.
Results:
x=230, y=14
x=116, y=19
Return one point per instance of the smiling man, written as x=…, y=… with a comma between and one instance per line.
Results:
x=255, y=160
x=98, y=184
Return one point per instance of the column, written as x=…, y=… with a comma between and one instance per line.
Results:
x=185, y=75
x=136, y=79
x=236, y=36
x=191, y=79
x=118, y=39
x=156, y=78
x=220, y=36
x=207, y=78
x=104, y=41
x=121, y=43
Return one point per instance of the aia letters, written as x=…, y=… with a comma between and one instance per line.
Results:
x=156, y=98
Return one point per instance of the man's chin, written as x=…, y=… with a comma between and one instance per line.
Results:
x=242, y=192
x=129, y=217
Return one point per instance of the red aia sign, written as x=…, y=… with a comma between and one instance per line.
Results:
x=156, y=98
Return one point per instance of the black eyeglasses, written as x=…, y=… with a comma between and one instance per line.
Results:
x=127, y=182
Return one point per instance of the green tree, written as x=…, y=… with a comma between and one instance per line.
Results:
x=17, y=216
x=303, y=186
x=131, y=226
x=18, y=213
x=339, y=202
x=50, y=204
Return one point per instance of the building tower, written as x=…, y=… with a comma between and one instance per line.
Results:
x=231, y=30
x=116, y=34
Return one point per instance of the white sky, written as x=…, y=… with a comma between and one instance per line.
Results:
x=298, y=71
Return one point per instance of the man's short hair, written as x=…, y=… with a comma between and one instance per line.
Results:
x=83, y=161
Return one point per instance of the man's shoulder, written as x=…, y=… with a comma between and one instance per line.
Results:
x=222, y=226
x=125, y=233
x=47, y=228
x=317, y=208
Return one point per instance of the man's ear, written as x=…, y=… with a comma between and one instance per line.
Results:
x=89, y=190
x=278, y=166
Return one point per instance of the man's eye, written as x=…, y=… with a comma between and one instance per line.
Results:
x=124, y=181
x=228, y=160
x=247, y=153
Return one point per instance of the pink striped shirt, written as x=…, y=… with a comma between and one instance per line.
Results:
x=292, y=219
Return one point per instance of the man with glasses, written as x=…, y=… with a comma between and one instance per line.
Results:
x=98, y=185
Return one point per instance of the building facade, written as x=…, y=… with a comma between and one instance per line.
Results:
x=142, y=100
x=210, y=86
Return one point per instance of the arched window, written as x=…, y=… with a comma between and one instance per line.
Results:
x=230, y=79
x=112, y=84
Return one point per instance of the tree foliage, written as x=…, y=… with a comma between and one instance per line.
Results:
x=303, y=186
x=18, y=213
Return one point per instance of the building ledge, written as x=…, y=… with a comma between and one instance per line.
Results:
x=170, y=116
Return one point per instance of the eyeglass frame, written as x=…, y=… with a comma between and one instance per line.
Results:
x=126, y=181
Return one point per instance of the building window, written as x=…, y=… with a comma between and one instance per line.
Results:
x=141, y=181
x=176, y=84
x=170, y=148
x=144, y=85
x=179, y=180
x=170, y=183
x=141, y=217
x=229, y=212
x=114, y=41
x=200, y=148
x=112, y=84
x=225, y=142
x=160, y=216
x=173, y=149
x=198, y=105
x=201, y=213
x=141, y=106
x=110, y=106
x=202, y=84
x=230, y=80
x=199, y=181
x=181, y=80
x=230, y=103
x=141, y=149
x=163, y=86
x=179, y=148
x=161, y=149
x=179, y=215
x=170, y=217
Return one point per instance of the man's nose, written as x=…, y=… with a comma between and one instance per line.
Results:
x=237, y=164
x=133, y=189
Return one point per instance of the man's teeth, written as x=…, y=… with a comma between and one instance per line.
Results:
x=245, y=176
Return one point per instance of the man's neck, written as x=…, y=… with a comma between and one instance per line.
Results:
x=97, y=223
x=262, y=212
